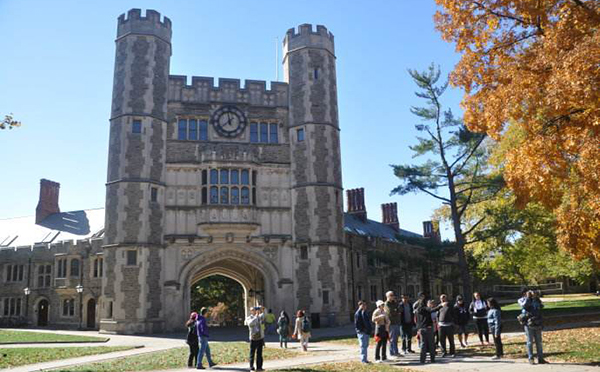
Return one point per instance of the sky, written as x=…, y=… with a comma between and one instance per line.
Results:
x=56, y=77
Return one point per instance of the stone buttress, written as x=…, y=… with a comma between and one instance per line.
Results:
x=309, y=69
x=136, y=175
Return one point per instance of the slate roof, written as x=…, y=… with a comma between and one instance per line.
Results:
x=75, y=225
x=89, y=223
x=355, y=225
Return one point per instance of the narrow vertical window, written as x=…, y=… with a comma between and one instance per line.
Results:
x=235, y=177
x=264, y=132
x=245, y=177
x=204, y=177
x=75, y=267
x=316, y=73
x=131, y=258
x=224, y=195
x=325, y=297
x=245, y=196
x=214, y=176
x=203, y=128
x=204, y=195
x=96, y=268
x=193, y=129
x=300, y=134
x=101, y=270
x=254, y=176
x=136, y=126
x=214, y=195
x=225, y=176
x=254, y=196
x=303, y=252
x=253, y=132
x=274, y=138
x=9, y=273
x=235, y=195
x=182, y=132
x=153, y=194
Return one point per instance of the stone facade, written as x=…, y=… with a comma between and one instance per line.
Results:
x=189, y=194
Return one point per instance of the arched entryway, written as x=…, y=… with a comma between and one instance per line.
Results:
x=42, y=313
x=225, y=298
x=91, y=313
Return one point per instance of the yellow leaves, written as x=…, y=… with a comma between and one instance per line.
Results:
x=535, y=65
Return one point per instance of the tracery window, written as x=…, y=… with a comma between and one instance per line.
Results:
x=227, y=186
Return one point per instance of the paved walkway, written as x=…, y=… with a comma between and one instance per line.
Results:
x=319, y=353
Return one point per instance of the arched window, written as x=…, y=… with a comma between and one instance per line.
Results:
x=74, y=267
x=235, y=177
x=235, y=195
x=224, y=195
x=245, y=177
x=224, y=176
x=214, y=176
x=214, y=195
x=245, y=196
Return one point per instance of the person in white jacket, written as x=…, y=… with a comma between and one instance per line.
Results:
x=257, y=336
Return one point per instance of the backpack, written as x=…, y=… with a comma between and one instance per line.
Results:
x=305, y=324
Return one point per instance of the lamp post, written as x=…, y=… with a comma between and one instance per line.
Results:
x=27, y=292
x=79, y=289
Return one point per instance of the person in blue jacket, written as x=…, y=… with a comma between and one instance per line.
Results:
x=202, y=331
x=494, y=319
x=362, y=324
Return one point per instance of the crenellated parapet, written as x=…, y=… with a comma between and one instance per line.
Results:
x=151, y=24
x=203, y=90
x=44, y=250
x=305, y=37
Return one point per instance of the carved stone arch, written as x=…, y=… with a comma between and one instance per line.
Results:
x=218, y=262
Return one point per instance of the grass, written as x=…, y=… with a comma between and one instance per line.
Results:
x=13, y=357
x=222, y=353
x=568, y=306
x=349, y=366
x=10, y=337
x=576, y=345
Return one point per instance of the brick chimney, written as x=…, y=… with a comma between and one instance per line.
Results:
x=431, y=229
x=48, y=203
x=356, y=203
x=389, y=215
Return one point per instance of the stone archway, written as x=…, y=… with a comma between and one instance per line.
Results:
x=257, y=275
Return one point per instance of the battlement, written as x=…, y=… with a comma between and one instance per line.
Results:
x=305, y=36
x=40, y=250
x=151, y=24
x=203, y=90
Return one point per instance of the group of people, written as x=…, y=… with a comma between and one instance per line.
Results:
x=437, y=323
x=258, y=324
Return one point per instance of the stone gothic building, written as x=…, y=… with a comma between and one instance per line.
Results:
x=203, y=179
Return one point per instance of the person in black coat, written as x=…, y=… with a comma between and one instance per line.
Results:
x=461, y=319
x=192, y=339
x=423, y=310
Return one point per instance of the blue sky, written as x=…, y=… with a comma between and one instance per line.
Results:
x=57, y=68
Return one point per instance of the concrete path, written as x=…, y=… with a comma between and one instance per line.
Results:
x=319, y=353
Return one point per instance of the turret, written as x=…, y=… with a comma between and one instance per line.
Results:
x=135, y=185
x=309, y=69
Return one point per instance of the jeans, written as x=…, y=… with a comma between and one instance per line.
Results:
x=482, y=329
x=407, y=334
x=426, y=344
x=534, y=334
x=204, y=349
x=447, y=332
x=256, y=347
x=394, y=333
x=363, y=343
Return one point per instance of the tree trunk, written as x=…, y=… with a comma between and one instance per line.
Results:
x=465, y=275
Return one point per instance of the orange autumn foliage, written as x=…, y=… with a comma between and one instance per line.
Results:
x=536, y=64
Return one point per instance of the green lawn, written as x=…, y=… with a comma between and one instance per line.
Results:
x=8, y=337
x=12, y=357
x=577, y=345
x=223, y=353
x=349, y=366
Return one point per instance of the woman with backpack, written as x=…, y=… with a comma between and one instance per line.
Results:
x=479, y=309
x=302, y=329
x=192, y=339
x=283, y=329
x=495, y=325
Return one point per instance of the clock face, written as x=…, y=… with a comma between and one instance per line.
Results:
x=229, y=121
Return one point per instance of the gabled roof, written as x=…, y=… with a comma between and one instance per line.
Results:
x=355, y=225
x=75, y=225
